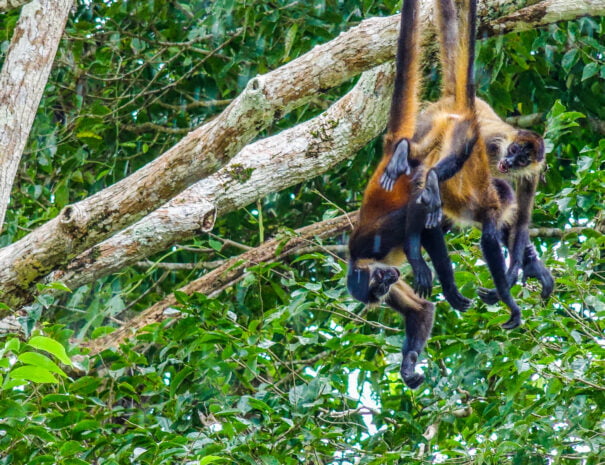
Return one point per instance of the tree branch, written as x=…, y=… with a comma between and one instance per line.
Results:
x=269, y=165
x=6, y=5
x=266, y=98
x=232, y=269
x=23, y=79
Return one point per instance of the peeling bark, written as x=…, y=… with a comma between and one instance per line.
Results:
x=6, y=5
x=22, y=81
x=540, y=14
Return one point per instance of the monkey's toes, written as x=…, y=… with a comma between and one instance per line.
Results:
x=512, y=323
x=459, y=302
x=489, y=296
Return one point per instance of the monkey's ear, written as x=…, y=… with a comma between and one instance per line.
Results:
x=358, y=283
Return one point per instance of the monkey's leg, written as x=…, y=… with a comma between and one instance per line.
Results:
x=415, y=220
x=398, y=165
x=490, y=245
x=460, y=142
x=490, y=296
x=434, y=243
x=533, y=267
x=419, y=316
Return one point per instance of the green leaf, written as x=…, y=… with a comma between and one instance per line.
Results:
x=35, y=359
x=216, y=245
x=570, y=59
x=51, y=346
x=590, y=70
x=33, y=373
x=88, y=135
x=71, y=448
x=290, y=36
x=210, y=459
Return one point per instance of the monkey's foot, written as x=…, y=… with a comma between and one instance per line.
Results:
x=513, y=322
x=398, y=165
x=430, y=197
x=457, y=300
x=489, y=296
x=536, y=269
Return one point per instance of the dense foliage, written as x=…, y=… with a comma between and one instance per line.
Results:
x=284, y=367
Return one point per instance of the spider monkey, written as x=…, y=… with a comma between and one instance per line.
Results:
x=393, y=217
x=459, y=158
x=514, y=155
x=517, y=156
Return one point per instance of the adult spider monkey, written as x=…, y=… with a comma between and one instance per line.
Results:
x=459, y=158
x=392, y=217
x=514, y=155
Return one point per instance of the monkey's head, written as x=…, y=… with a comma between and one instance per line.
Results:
x=370, y=282
x=517, y=154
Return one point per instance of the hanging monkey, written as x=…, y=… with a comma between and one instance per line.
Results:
x=392, y=217
x=459, y=158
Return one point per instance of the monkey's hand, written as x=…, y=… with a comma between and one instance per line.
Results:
x=423, y=280
x=398, y=165
x=457, y=300
x=490, y=296
x=430, y=198
x=410, y=377
x=536, y=269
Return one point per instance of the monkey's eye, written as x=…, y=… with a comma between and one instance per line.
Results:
x=492, y=148
x=522, y=160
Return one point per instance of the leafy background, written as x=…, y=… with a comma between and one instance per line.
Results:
x=285, y=367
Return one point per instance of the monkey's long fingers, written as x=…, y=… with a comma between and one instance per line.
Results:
x=398, y=165
x=386, y=182
x=489, y=296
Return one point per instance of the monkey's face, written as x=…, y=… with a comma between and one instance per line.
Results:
x=521, y=156
x=370, y=283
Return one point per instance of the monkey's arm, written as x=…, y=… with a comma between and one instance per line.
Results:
x=523, y=254
x=419, y=317
x=519, y=236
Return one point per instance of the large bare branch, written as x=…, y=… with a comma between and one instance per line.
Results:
x=272, y=250
x=6, y=5
x=266, y=166
x=22, y=81
x=202, y=151
x=543, y=13
x=197, y=155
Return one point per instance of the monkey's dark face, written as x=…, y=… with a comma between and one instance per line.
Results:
x=370, y=283
x=522, y=155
